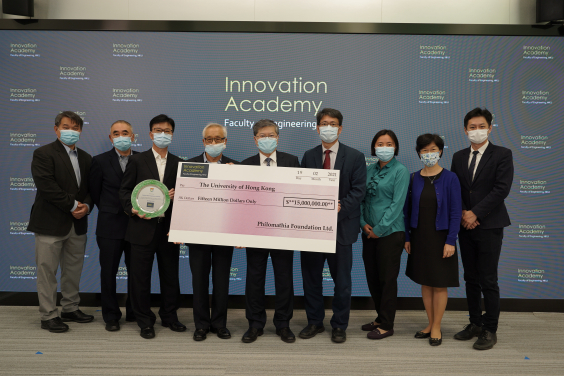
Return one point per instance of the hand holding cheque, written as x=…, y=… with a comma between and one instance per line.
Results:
x=283, y=208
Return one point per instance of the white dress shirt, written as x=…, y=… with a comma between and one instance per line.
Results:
x=73, y=155
x=161, y=165
x=481, y=151
x=272, y=161
x=333, y=154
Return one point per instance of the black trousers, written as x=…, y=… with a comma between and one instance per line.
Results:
x=110, y=256
x=283, y=265
x=340, y=267
x=480, y=250
x=204, y=258
x=382, y=259
x=142, y=257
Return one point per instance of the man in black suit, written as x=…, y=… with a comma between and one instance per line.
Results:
x=105, y=179
x=485, y=172
x=58, y=219
x=266, y=138
x=149, y=236
x=332, y=154
x=206, y=257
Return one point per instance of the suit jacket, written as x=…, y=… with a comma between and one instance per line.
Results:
x=57, y=190
x=352, y=186
x=224, y=159
x=141, y=167
x=104, y=184
x=485, y=195
x=282, y=160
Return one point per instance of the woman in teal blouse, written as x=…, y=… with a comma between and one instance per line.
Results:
x=383, y=230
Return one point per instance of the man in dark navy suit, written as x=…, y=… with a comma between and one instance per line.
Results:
x=149, y=237
x=105, y=179
x=332, y=154
x=485, y=172
x=215, y=258
x=266, y=134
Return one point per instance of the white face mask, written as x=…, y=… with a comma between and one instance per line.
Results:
x=478, y=136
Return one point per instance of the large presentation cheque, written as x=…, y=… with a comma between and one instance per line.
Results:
x=252, y=206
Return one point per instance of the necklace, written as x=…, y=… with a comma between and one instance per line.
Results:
x=432, y=180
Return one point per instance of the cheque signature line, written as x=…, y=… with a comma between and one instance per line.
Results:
x=252, y=190
x=292, y=229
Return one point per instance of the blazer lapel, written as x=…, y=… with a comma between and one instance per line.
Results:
x=317, y=156
x=485, y=158
x=114, y=162
x=169, y=168
x=464, y=167
x=152, y=164
x=340, y=157
x=66, y=161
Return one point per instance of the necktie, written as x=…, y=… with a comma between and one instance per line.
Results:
x=327, y=161
x=473, y=165
x=267, y=160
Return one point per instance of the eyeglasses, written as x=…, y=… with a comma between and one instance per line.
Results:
x=217, y=140
x=158, y=130
x=333, y=124
x=266, y=135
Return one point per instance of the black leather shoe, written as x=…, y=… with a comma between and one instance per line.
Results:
x=148, y=332
x=470, y=331
x=286, y=335
x=421, y=334
x=252, y=334
x=486, y=340
x=370, y=326
x=112, y=326
x=76, y=316
x=54, y=325
x=175, y=326
x=436, y=341
x=222, y=333
x=338, y=335
x=311, y=331
x=200, y=334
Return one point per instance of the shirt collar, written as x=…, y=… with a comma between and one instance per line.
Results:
x=390, y=164
x=482, y=149
x=263, y=157
x=334, y=148
x=69, y=149
x=206, y=159
x=157, y=155
x=122, y=156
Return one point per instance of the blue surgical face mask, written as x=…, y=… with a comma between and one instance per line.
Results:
x=69, y=137
x=328, y=133
x=385, y=153
x=430, y=159
x=162, y=140
x=214, y=150
x=122, y=143
x=267, y=144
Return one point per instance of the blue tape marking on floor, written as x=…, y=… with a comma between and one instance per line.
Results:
x=527, y=358
x=39, y=352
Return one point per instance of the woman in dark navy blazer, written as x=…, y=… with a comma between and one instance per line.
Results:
x=432, y=220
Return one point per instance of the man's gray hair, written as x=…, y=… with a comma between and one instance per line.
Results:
x=121, y=121
x=71, y=115
x=265, y=123
x=210, y=125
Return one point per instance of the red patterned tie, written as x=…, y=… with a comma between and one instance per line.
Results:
x=327, y=161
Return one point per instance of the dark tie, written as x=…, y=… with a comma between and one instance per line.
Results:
x=267, y=160
x=327, y=161
x=473, y=165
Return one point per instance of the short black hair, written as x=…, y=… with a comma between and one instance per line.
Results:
x=331, y=112
x=384, y=132
x=71, y=115
x=426, y=139
x=265, y=123
x=162, y=118
x=478, y=112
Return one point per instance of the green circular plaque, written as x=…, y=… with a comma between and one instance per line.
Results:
x=150, y=197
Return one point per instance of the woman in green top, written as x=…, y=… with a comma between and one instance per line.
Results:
x=383, y=230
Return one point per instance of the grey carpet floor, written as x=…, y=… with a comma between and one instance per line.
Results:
x=528, y=344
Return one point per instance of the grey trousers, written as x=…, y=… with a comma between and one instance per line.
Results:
x=50, y=251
